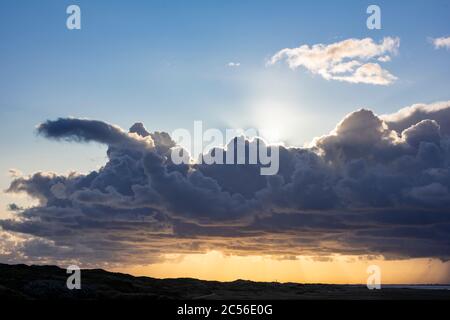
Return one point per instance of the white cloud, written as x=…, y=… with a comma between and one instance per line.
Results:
x=349, y=60
x=443, y=42
x=384, y=59
x=370, y=73
x=234, y=64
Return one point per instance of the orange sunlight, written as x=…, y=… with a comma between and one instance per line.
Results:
x=337, y=269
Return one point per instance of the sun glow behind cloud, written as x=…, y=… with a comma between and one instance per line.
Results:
x=273, y=105
x=273, y=122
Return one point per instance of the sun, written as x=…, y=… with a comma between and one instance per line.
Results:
x=273, y=121
x=270, y=133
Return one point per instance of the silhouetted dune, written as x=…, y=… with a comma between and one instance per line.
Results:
x=49, y=282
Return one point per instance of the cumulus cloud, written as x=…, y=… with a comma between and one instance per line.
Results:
x=409, y=116
x=442, y=42
x=351, y=60
x=375, y=185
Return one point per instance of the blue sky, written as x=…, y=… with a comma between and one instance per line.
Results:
x=165, y=63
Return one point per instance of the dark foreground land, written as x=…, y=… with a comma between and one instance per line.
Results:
x=49, y=282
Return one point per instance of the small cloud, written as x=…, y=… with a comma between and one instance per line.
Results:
x=384, y=59
x=442, y=42
x=14, y=173
x=14, y=207
x=234, y=64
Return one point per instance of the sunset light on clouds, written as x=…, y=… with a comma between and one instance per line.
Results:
x=357, y=121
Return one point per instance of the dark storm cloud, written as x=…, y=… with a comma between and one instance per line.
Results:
x=375, y=185
x=82, y=130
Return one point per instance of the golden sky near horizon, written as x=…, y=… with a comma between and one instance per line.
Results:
x=339, y=269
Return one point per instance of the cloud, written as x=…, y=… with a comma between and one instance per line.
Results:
x=15, y=173
x=81, y=130
x=442, y=42
x=375, y=185
x=370, y=73
x=350, y=60
x=409, y=116
x=234, y=64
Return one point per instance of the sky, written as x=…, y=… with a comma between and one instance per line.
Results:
x=270, y=65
